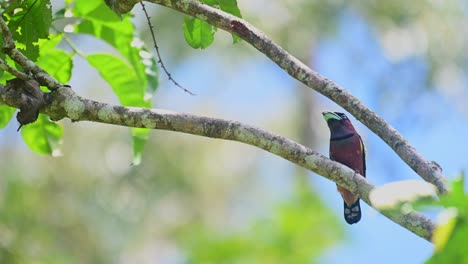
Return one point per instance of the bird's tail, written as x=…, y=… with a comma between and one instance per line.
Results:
x=352, y=214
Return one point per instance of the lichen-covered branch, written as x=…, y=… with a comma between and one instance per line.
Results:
x=64, y=103
x=429, y=171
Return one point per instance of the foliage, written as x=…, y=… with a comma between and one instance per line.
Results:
x=43, y=136
x=133, y=75
x=452, y=232
x=39, y=223
x=200, y=34
x=30, y=21
x=6, y=113
x=134, y=79
x=296, y=232
x=452, y=229
x=80, y=209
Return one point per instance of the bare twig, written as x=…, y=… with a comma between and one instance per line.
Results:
x=18, y=74
x=65, y=103
x=298, y=70
x=156, y=47
x=73, y=46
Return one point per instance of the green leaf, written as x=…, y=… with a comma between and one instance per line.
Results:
x=443, y=231
x=133, y=81
x=121, y=77
x=452, y=230
x=236, y=39
x=30, y=24
x=119, y=34
x=198, y=33
x=230, y=6
x=43, y=136
x=151, y=72
x=6, y=113
x=6, y=75
x=457, y=197
x=101, y=22
x=128, y=88
x=451, y=249
x=139, y=138
x=211, y=2
x=48, y=44
x=96, y=10
x=458, y=186
x=56, y=62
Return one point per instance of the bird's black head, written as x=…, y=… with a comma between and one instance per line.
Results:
x=338, y=122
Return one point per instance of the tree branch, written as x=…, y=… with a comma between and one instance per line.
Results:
x=63, y=102
x=158, y=54
x=429, y=171
x=18, y=74
x=9, y=48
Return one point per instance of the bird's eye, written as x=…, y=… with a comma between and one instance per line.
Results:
x=343, y=116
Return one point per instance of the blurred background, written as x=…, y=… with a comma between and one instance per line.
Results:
x=199, y=200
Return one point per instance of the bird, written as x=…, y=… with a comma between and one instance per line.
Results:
x=347, y=148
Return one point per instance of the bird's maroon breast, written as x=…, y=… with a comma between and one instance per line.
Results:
x=349, y=152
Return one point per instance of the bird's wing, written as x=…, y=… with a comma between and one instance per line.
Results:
x=363, y=151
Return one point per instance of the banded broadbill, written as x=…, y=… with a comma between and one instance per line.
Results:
x=346, y=147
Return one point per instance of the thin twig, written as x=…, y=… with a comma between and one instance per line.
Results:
x=156, y=47
x=70, y=43
x=18, y=74
x=73, y=46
